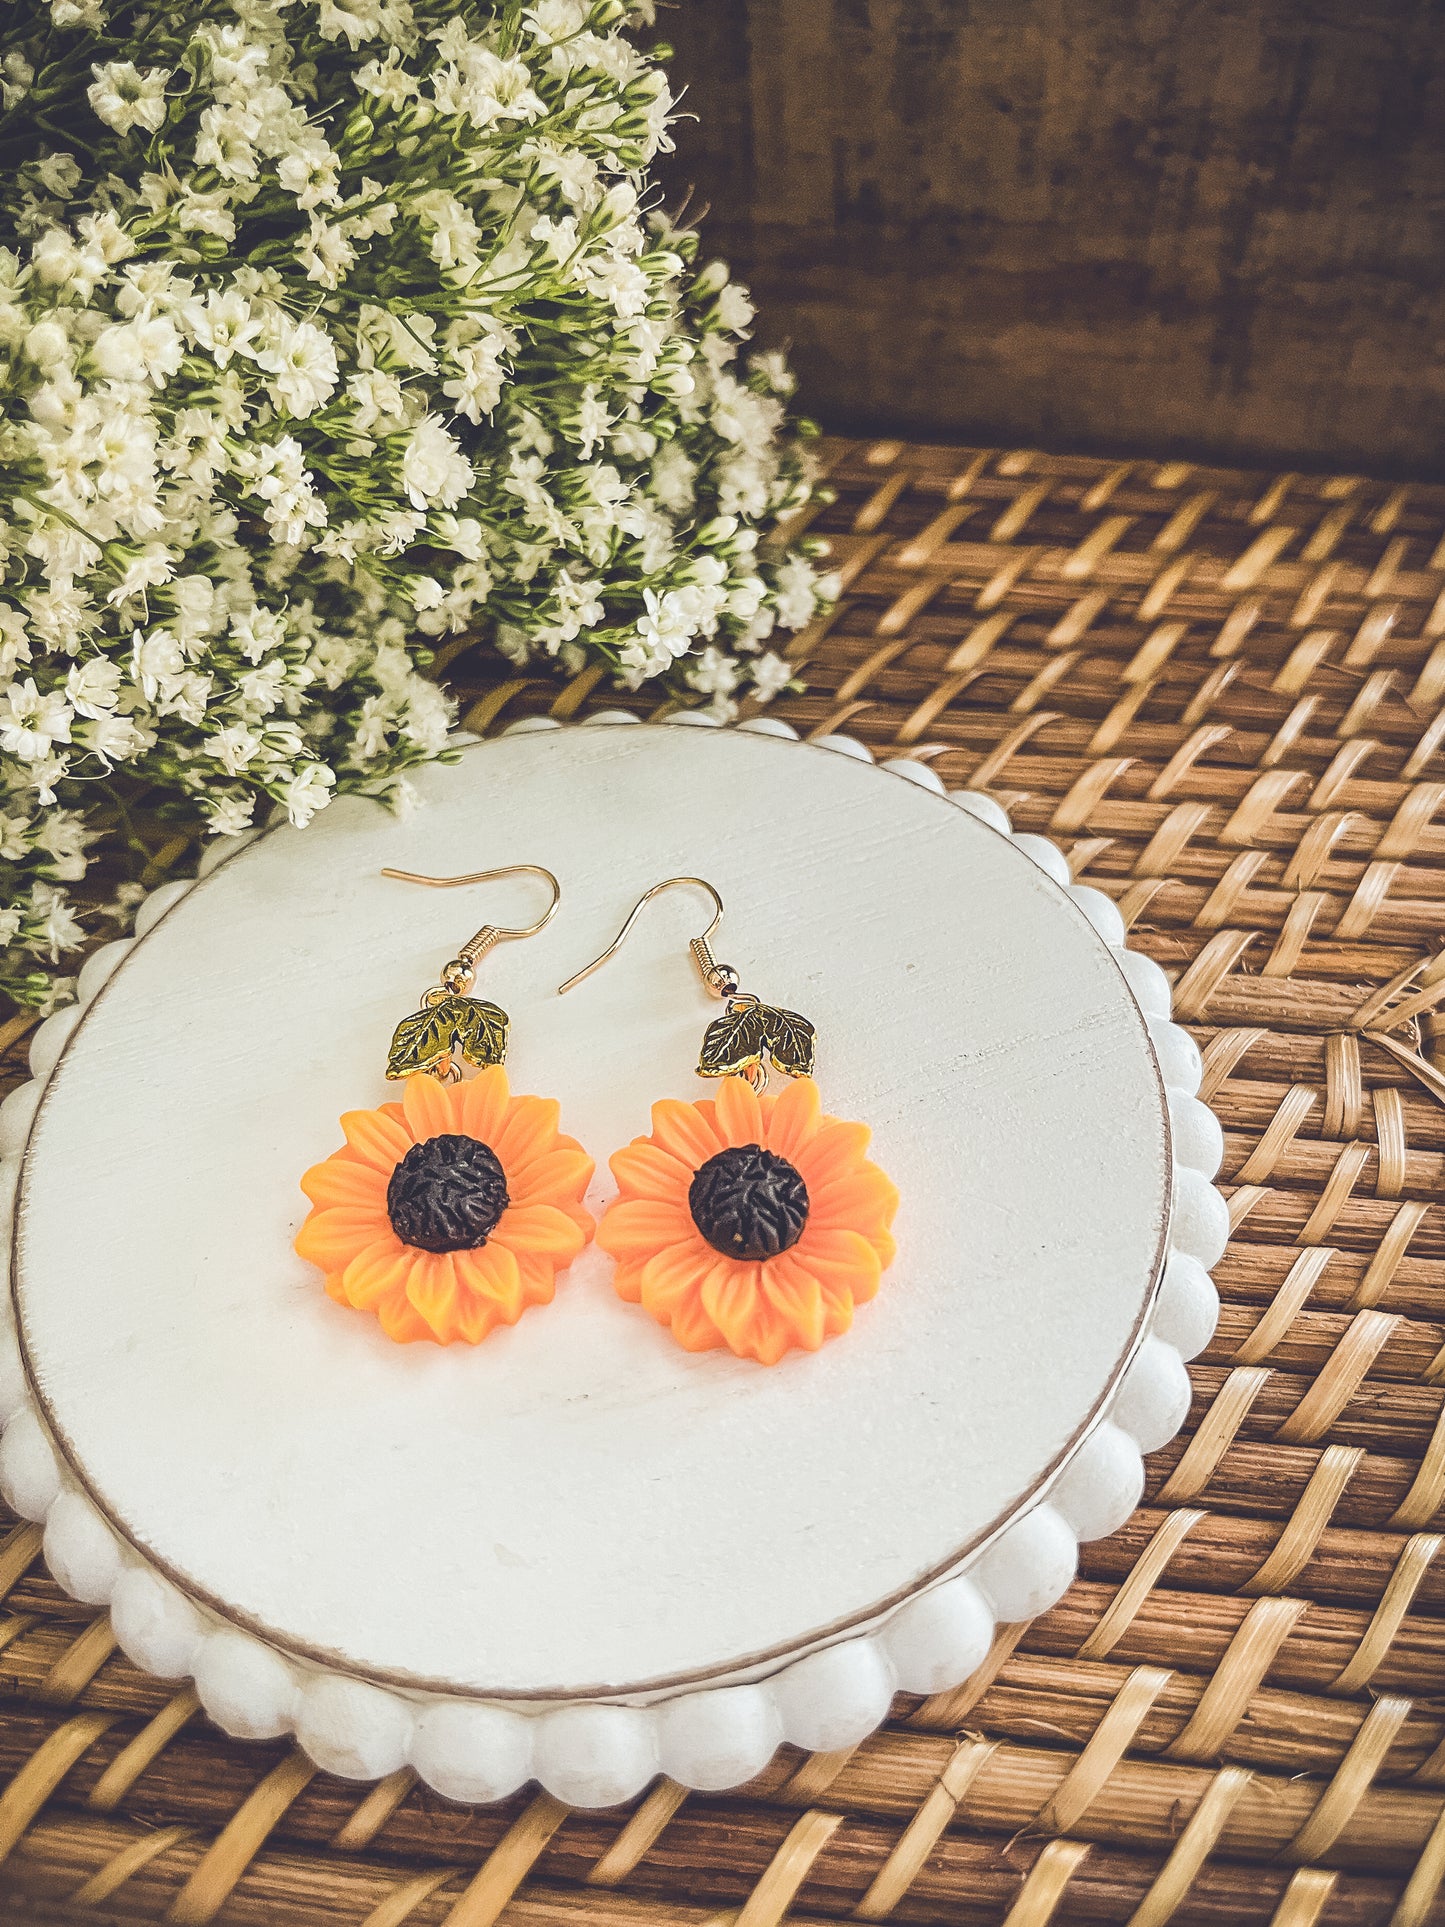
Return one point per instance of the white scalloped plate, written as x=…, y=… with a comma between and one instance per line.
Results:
x=577, y=1553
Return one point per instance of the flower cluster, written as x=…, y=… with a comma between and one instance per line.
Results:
x=331, y=329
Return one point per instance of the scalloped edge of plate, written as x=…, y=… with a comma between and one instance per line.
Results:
x=594, y=1753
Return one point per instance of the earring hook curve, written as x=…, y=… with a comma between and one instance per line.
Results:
x=713, y=974
x=490, y=933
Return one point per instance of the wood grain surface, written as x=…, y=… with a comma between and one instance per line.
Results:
x=1202, y=229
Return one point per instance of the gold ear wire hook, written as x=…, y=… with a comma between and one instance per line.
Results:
x=720, y=979
x=490, y=933
x=449, y=1024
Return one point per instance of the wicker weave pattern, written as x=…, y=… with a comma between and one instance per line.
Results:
x=1222, y=693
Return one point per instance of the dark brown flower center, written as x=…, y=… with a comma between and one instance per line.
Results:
x=447, y=1194
x=749, y=1203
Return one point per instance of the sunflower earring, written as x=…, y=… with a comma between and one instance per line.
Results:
x=751, y=1222
x=452, y=1212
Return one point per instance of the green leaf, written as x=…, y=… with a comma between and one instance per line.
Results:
x=732, y=1043
x=790, y=1040
x=471, y=1029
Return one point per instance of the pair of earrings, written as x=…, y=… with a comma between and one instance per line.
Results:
x=746, y=1221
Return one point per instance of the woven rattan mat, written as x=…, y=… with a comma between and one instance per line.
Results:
x=1222, y=693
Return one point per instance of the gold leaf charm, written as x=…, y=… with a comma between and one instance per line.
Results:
x=474, y=1030
x=734, y=1043
x=791, y=1040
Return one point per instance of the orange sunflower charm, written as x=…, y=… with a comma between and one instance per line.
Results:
x=751, y=1222
x=450, y=1213
x=755, y=1223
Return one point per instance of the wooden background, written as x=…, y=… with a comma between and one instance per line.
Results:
x=1181, y=226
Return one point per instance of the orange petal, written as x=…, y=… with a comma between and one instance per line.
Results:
x=627, y=1280
x=768, y=1337
x=431, y=1286
x=637, y=1227
x=540, y=1229
x=432, y=1109
x=684, y=1131
x=730, y=1295
x=474, y=1316
x=492, y=1272
x=644, y=1170
x=580, y=1216
x=380, y=1140
x=346, y=1182
x=539, y=1279
x=484, y=1104
x=739, y=1115
x=794, y=1294
x=693, y=1329
x=345, y=1155
x=551, y=1178
x=528, y=1132
x=671, y=1276
x=836, y=1151
x=792, y=1118
x=840, y=1260
x=332, y=1239
x=380, y=1270
x=837, y=1306
x=859, y=1202
x=401, y=1322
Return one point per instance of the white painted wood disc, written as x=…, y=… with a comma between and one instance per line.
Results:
x=578, y=1506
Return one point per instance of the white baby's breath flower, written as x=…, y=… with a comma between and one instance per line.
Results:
x=734, y=310
x=434, y=469
x=477, y=385
x=56, y=258
x=234, y=747
x=58, y=174
x=49, y=922
x=326, y=253
x=32, y=721
x=302, y=359
x=496, y=89
x=551, y=21
x=155, y=656
x=455, y=236
x=462, y=534
x=62, y=836
x=770, y=675
x=92, y=687
x=307, y=792
x=310, y=172
x=388, y=80
x=89, y=14
x=593, y=420
x=238, y=496
x=228, y=813
x=115, y=739
x=797, y=592
x=127, y=96
x=144, y=571
x=139, y=350
x=17, y=76
x=224, y=324
x=227, y=141
x=206, y=214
